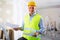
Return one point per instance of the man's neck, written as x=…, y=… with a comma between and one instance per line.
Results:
x=31, y=13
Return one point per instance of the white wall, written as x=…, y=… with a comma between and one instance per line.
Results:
x=6, y=10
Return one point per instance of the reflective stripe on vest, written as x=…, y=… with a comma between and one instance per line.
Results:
x=32, y=33
x=29, y=29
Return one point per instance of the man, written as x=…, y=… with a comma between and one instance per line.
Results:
x=32, y=24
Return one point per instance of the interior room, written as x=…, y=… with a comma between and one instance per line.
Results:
x=12, y=13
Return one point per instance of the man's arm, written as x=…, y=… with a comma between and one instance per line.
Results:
x=15, y=27
x=20, y=28
x=41, y=26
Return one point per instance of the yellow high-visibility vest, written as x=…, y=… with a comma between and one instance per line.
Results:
x=31, y=26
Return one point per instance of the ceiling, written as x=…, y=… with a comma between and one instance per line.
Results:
x=45, y=3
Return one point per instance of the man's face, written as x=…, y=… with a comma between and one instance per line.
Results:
x=31, y=9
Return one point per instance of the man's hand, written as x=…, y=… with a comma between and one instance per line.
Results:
x=35, y=34
x=16, y=29
x=19, y=28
